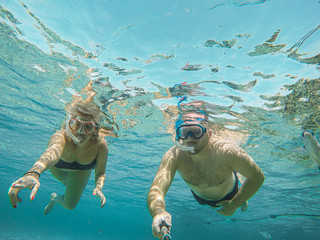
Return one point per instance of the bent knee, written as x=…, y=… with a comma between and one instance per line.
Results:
x=70, y=206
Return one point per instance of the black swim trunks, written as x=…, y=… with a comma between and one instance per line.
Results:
x=229, y=196
x=75, y=165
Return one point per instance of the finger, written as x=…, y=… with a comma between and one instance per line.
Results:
x=103, y=202
x=98, y=194
x=34, y=191
x=156, y=233
x=155, y=229
x=94, y=192
x=101, y=198
x=20, y=185
x=12, y=190
x=221, y=203
x=13, y=200
x=221, y=212
x=166, y=218
x=13, y=196
x=225, y=214
x=24, y=182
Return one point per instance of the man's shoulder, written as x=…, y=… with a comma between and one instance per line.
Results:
x=225, y=146
x=173, y=153
x=218, y=142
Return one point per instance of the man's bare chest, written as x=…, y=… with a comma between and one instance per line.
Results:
x=204, y=174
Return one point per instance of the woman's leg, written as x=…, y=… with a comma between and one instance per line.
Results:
x=75, y=183
x=59, y=174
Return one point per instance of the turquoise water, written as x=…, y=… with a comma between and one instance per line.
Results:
x=255, y=62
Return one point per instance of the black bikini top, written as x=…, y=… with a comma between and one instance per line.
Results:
x=75, y=165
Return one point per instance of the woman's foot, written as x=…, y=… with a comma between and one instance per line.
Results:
x=51, y=203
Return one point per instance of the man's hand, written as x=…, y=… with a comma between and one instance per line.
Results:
x=100, y=195
x=227, y=209
x=163, y=217
x=28, y=181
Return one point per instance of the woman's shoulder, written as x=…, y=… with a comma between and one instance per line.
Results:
x=60, y=132
x=57, y=138
x=102, y=143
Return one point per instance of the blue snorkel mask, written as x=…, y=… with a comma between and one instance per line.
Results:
x=185, y=129
x=195, y=131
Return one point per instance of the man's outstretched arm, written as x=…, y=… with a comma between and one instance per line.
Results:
x=158, y=190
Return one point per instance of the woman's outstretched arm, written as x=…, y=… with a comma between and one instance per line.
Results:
x=31, y=178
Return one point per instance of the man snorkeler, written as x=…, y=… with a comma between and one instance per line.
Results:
x=209, y=166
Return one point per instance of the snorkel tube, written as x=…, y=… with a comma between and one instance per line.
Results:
x=184, y=148
x=69, y=133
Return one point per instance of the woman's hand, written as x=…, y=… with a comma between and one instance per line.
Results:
x=100, y=195
x=29, y=181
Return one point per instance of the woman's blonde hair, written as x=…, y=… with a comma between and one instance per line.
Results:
x=87, y=109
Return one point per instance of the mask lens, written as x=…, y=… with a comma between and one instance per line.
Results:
x=74, y=124
x=196, y=131
x=181, y=133
x=89, y=127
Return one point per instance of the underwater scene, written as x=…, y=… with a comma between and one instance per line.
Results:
x=251, y=67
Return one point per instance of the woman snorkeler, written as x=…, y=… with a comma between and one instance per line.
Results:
x=72, y=152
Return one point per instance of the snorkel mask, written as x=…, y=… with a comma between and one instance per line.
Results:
x=186, y=130
x=82, y=127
